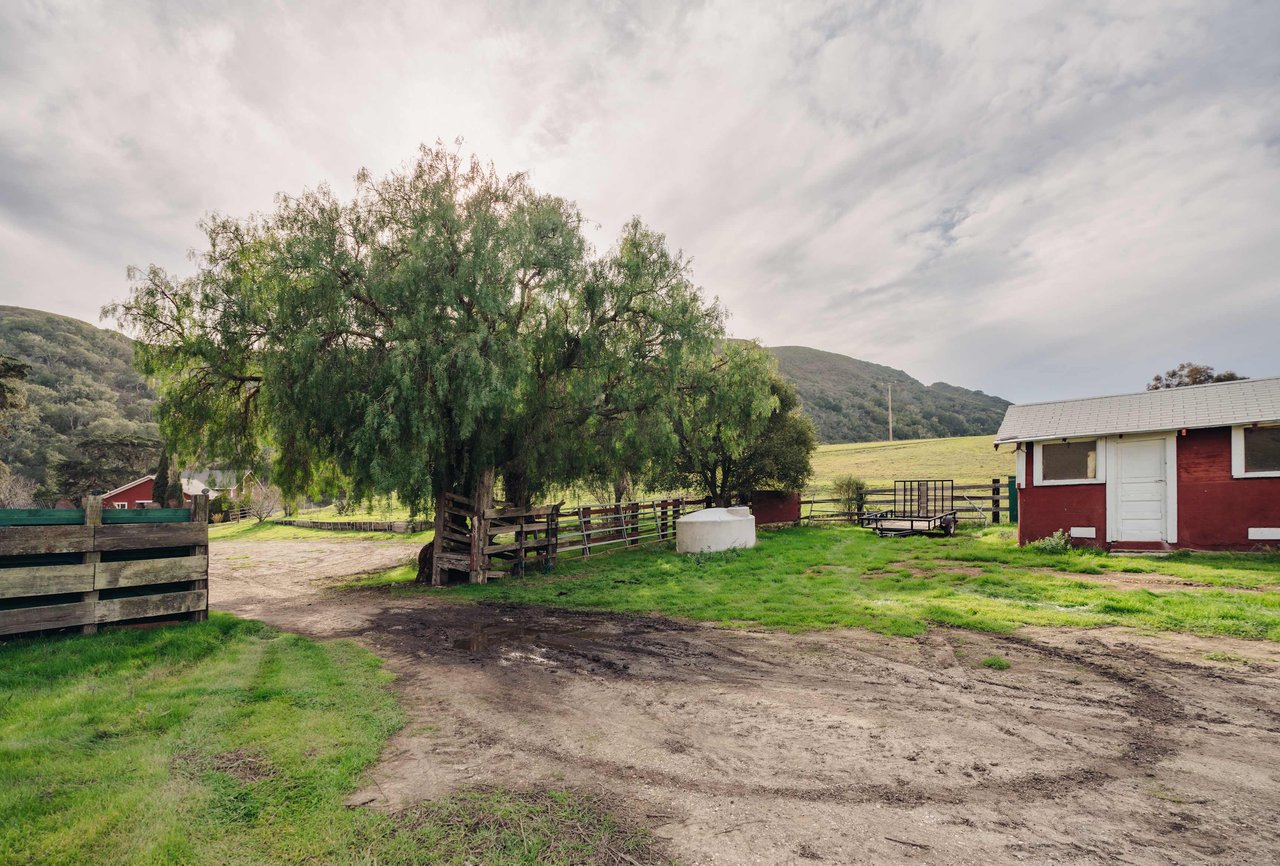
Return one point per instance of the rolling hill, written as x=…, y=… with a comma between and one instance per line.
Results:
x=848, y=400
x=81, y=382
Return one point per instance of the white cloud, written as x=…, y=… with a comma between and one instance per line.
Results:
x=1035, y=199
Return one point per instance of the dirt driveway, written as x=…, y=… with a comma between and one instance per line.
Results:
x=839, y=747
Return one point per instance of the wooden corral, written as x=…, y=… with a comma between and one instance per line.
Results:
x=485, y=542
x=64, y=568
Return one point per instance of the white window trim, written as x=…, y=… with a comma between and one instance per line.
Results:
x=1100, y=463
x=1237, y=454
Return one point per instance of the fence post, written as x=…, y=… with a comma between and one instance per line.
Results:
x=92, y=517
x=200, y=514
x=1013, y=499
x=995, y=500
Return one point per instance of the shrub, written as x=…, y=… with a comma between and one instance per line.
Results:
x=852, y=493
x=1059, y=542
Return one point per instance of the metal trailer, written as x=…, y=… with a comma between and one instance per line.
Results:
x=919, y=508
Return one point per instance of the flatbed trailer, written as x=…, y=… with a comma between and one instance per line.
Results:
x=920, y=507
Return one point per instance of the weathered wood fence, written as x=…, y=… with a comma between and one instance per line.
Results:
x=996, y=502
x=493, y=542
x=66, y=568
x=397, y=526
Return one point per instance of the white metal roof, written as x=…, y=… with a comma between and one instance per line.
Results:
x=1219, y=404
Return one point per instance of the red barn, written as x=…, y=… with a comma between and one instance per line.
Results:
x=135, y=494
x=1195, y=467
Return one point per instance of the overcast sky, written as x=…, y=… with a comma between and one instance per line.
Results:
x=1038, y=200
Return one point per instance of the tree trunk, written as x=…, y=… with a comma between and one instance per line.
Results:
x=622, y=488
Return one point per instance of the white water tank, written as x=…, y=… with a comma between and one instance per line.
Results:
x=715, y=529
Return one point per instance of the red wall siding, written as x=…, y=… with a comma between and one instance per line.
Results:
x=1044, y=510
x=775, y=506
x=139, y=491
x=1214, y=509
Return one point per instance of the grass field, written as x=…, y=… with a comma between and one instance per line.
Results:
x=809, y=578
x=229, y=743
x=962, y=459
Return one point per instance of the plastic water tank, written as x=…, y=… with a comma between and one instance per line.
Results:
x=715, y=529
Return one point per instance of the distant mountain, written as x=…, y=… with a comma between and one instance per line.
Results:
x=848, y=400
x=81, y=383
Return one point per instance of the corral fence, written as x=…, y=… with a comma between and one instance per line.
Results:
x=496, y=542
x=985, y=504
x=81, y=568
x=396, y=526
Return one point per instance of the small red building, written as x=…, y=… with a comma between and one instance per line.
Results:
x=135, y=494
x=1195, y=467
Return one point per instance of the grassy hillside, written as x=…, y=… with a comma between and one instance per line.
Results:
x=963, y=459
x=81, y=383
x=848, y=400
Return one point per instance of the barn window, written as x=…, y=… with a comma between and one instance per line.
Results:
x=1255, y=452
x=1068, y=462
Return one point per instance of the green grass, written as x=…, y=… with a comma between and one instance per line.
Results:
x=996, y=663
x=269, y=530
x=810, y=578
x=964, y=459
x=229, y=743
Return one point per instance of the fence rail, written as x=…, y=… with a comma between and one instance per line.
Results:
x=396, y=526
x=996, y=502
x=68, y=568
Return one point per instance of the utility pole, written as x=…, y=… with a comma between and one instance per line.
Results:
x=890, y=411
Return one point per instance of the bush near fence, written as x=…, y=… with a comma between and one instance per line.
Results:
x=67, y=568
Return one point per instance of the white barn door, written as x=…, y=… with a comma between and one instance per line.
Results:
x=1140, y=489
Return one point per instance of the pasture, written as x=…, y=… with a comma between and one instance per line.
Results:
x=964, y=459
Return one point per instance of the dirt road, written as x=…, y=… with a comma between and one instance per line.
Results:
x=840, y=747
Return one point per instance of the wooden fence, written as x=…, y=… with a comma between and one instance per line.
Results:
x=996, y=502
x=494, y=542
x=396, y=526
x=69, y=568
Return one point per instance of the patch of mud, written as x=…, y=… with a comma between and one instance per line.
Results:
x=742, y=746
x=1154, y=582
x=243, y=766
x=941, y=565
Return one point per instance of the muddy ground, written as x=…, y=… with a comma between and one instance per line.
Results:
x=1098, y=746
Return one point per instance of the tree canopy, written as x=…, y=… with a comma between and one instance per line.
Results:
x=1189, y=373
x=739, y=427
x=444, y=323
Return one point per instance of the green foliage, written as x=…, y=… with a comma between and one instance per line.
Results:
x=103, y=462
x=12, y=371
x=80, y=383
x=1190, y=373
x=848, y=400
x=444, y=323
x=738, y=427
x=1059, y=542
x=852, y=493
x=996, y=663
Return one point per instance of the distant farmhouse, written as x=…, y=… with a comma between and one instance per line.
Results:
x=1195, y=467
x=139, y=493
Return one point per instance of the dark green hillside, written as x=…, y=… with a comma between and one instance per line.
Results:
x=81, y=383
x=848, y=400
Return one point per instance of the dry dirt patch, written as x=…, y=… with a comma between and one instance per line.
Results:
x=758, y=747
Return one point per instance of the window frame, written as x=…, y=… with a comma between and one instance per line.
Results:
x=1237, y=453
x=1099, y=462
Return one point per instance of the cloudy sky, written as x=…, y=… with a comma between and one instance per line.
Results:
x=1038, y=200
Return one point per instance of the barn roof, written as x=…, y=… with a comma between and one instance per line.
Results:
x=123, y=487
x=1219, y=404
